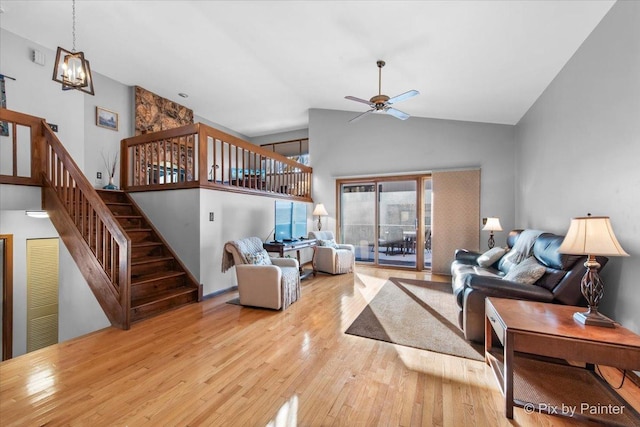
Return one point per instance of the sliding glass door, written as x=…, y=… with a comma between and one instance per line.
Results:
x=381, y=218
x=397, y=223
x=358, y=219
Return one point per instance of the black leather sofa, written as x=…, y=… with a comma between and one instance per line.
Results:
x=472, y=283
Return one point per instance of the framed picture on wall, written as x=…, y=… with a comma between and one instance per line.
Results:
x=106, y=119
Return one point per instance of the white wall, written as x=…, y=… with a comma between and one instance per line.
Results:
x=381, y=144
x=579, y=147
x=182, y=217
x=79, y=311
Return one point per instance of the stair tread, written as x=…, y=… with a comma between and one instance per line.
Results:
x=145, y=243
x=150, y=259
x=138, y=230
x=156, y=275
x=157, y=283
x=159, y=296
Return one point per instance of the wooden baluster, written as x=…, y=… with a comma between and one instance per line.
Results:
x=14, y=147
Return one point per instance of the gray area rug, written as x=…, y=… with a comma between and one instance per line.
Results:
x=416, y=313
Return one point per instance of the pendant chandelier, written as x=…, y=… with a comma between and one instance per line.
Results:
x=71, y=69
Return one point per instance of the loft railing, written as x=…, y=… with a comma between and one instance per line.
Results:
x=103, y=253
x=198, y=155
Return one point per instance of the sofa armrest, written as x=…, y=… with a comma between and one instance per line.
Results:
x=285, y=262
x=258, y=273
x=259, y=285
x=496, y=287
x=324, y=256
x=466, y=257
x=346, y=246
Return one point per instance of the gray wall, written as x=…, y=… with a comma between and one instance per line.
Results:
x=35, y=93
x=99, y=141
x=79, y=311
x=380, y=144
x=281, y=136
x=579, y=147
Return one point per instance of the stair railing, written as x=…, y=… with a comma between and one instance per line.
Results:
x=78, y=213
x=198, y=155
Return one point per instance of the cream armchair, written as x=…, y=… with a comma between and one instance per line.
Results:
x=330, y=257
x=262, y=281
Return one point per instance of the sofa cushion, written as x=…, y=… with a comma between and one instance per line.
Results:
x=546, y=251
x=551, y=278
x=526, y=272
x=258, y=258
x=488, y=258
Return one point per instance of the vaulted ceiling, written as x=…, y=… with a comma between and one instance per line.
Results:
x=257, y=67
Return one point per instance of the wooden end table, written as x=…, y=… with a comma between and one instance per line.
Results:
x=549, y=330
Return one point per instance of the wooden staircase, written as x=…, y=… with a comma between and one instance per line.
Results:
x=130, y=269
x=159, y=281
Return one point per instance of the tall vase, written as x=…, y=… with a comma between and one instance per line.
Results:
x=110, y=185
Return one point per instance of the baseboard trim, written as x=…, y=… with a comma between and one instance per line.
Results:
x=220, y=292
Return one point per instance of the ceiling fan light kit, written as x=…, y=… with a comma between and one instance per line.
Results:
x=382, y=102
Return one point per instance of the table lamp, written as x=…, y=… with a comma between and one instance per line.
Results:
x=320, y=211
x=591, y=236
x=492, y=224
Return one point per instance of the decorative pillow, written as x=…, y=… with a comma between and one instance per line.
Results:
x=330, y=243
x=488, y=258
x=527, y=272
x=258, y=258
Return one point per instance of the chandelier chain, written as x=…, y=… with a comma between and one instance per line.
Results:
x=73, y=8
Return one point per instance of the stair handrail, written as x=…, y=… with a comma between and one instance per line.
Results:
x=103, y=234
x=75, y=208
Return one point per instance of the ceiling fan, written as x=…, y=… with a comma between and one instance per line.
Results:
x=382, y=102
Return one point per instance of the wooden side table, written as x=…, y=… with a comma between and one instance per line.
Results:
x=549, y=330
x=281, y=248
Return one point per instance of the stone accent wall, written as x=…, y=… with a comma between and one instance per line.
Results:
x=154, y=113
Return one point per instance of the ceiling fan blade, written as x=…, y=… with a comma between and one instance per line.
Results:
x=359, y=116
x=397, y=113
x=403, y=96
x=364, y=101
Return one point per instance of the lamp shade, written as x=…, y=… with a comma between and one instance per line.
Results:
x=591, y=235
x=320, y=210
x=492, y=224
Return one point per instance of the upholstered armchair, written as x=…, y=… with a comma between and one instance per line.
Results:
x=330, y=257
x=262, y=281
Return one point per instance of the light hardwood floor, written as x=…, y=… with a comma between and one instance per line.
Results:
x=218, y=364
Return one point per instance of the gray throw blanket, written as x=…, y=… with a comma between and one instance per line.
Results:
x=521, y=250
x=243, y=246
